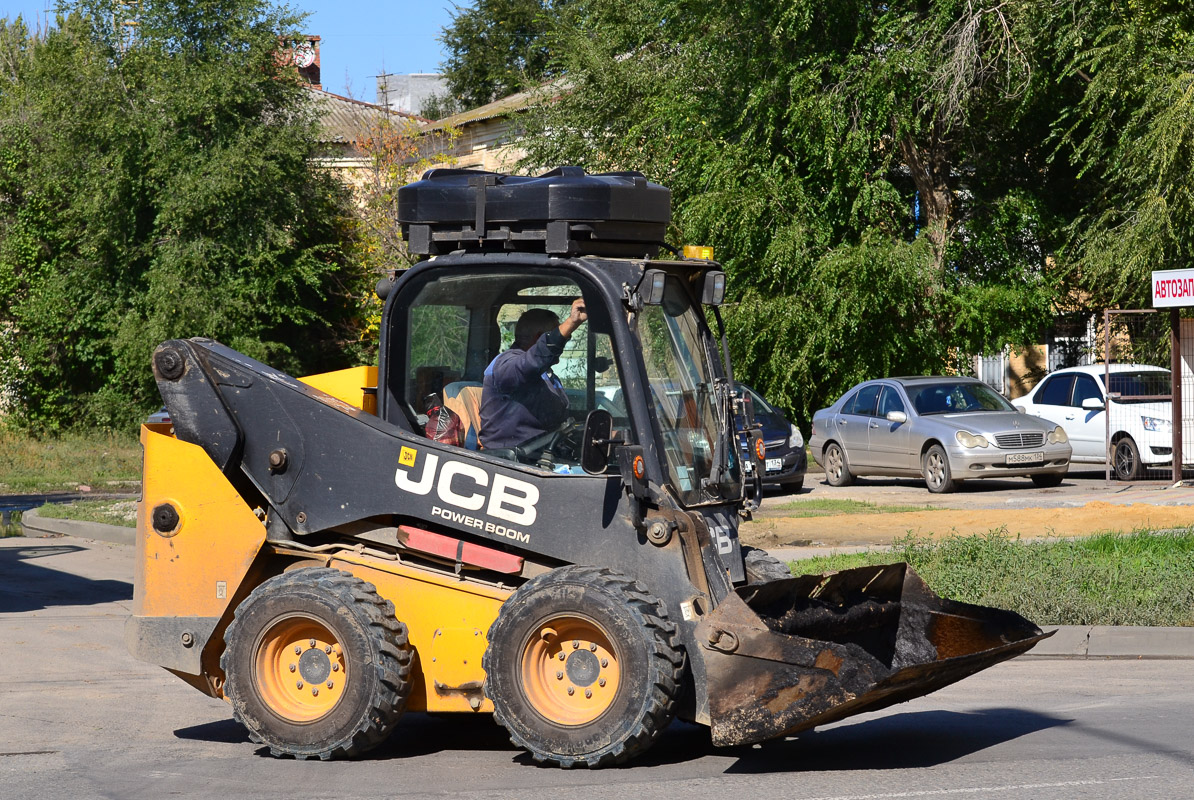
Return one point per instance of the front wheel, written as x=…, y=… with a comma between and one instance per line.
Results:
x=1047, y=480
x=1126, y=460
x=316, y=665
x=583, y=667
x=837, y=471
x=938, y=476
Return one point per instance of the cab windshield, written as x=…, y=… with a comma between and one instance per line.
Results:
x=690, y=402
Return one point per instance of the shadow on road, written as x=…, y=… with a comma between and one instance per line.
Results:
x=28, y=586
x=900, y=741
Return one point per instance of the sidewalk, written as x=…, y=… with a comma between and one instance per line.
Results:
x=1070, y=641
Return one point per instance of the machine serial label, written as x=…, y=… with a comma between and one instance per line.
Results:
x=464, y=485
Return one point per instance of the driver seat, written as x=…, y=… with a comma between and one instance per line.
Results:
x=464, y=397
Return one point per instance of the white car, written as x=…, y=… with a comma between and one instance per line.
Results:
x=1141, y=428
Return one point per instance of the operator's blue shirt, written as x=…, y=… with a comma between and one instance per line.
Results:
x=520, y=397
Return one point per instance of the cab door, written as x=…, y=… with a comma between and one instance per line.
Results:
x=854, y=422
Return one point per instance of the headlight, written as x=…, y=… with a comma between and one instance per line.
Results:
x=794, y=438
x=1157, y=424
x=968, y=439
x=1058, y=436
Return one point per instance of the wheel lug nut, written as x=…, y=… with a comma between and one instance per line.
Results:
x=559, y=676
x=299, y=684
x=298, y=651
x=315, y=691
x=312, y=642
x=561, y=656
x=571, y=691
x=605, y=662
x=330, y=684
x=593, y=647
x=601, y=682
x=575, y=644
x=292, y=667
x=588, y=693
x=328, y=649
x=335, y=667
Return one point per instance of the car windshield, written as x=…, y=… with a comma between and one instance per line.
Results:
x=683, y=392
x=955, y=397
x=1141, y=386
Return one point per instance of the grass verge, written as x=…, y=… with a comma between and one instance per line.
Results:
x=829, y=508
x=1141, y=578
x=110, y=512
x=103, y=461
x=13, y=528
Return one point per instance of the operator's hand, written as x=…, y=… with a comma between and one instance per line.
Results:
x=576, y=315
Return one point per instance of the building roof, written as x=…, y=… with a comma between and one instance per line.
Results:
x=519, y=101
x=343, y=119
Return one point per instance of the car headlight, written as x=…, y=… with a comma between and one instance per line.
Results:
x=1058, y=436
x=794, y=438
x=1157, y=424
x=968, y=439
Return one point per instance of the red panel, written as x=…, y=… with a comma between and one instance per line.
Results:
x=474, y=555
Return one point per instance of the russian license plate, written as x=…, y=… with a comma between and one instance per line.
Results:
x=775, y=464
x=1025, y=458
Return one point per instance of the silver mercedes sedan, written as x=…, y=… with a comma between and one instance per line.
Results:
x=945, y=429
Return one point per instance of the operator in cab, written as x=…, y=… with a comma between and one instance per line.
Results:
x=521, y=397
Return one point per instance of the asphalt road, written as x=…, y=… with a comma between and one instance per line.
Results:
x=79, y=718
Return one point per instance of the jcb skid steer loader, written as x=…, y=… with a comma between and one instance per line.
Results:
x=307, y=552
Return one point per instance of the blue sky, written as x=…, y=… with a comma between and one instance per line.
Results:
x=360, y=38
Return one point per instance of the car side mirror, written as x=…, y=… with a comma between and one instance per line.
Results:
x=897, y=416
x=597, y=441
x=1092, y=404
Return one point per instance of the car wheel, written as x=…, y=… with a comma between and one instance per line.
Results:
x=837, y=471
x=1126, y=460
x=794, y=485
x=1047, y=480
x=936, y=471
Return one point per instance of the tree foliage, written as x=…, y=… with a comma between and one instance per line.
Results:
x=875, y=177
x=495, y=48
x=158, y=188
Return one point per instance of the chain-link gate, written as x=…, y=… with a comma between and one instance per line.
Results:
x=1137, y=356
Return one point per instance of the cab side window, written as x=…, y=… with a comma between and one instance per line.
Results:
x=1056, y=391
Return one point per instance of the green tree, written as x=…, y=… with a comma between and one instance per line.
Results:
x=494, y=48
x=156, y=188
x=873, y=176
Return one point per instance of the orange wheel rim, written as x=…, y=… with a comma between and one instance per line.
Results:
x=299, y=668
x=570, y=670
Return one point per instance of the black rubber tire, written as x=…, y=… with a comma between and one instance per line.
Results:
x=935, y=467
x=837, y=469
x=1047, y=480
x=794, y=485
x=1125, y=460
x=643, y=641
x=762, y=567
x=372, y=645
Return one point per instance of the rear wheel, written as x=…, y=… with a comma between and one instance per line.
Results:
x=762, y=567
x=1126, y=460
x=316, y=665
x=583, y=667
x=837, y=471
x=937, y=474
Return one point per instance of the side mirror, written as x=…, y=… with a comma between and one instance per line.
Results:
x=897, y=416
x=597, y=441
x=1092, y=404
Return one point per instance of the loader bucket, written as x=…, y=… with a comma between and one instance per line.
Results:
x=788, y=655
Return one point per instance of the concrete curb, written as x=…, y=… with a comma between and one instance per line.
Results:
x=36, y=525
